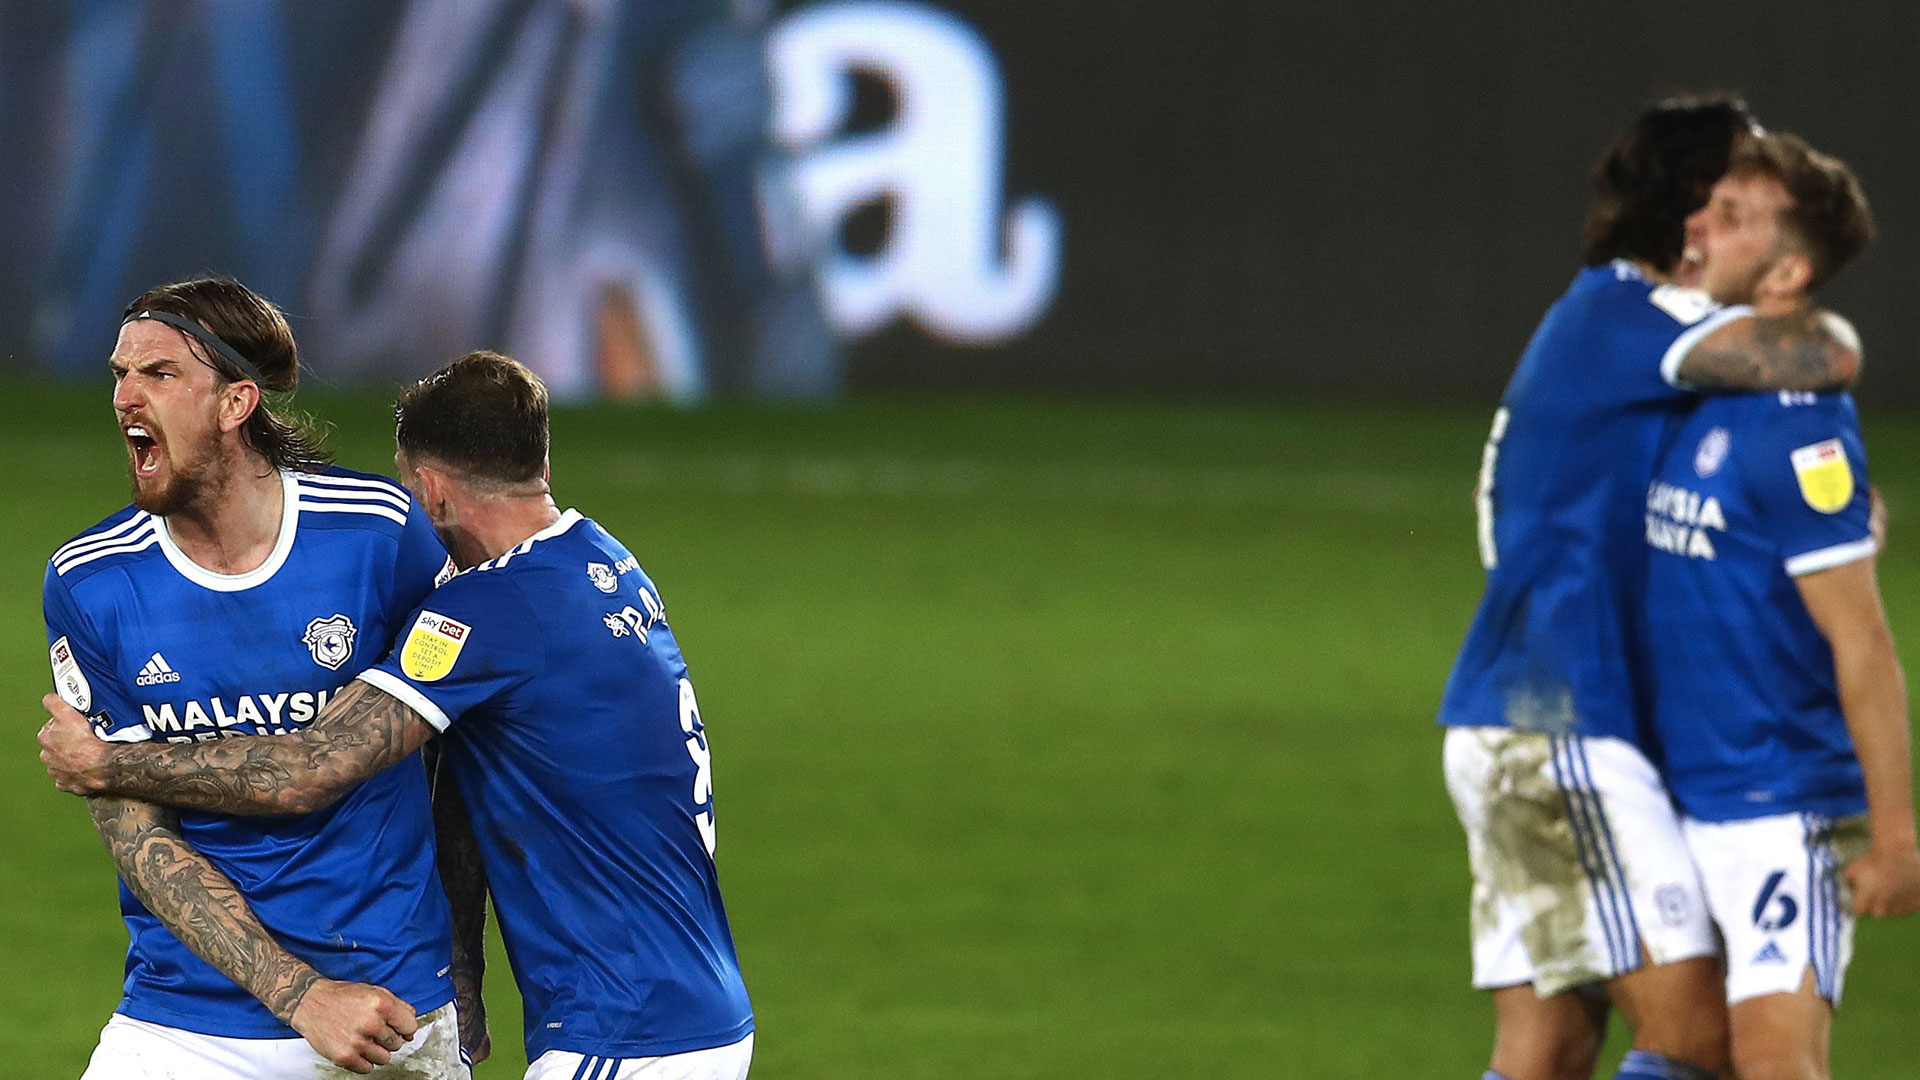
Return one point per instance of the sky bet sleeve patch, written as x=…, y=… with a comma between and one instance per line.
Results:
x=434, y=644
x=1826, y=480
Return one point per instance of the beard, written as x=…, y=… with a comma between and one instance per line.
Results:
x=185, y=485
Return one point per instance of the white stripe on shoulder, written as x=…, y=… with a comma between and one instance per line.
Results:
x=73, y=546
x=1829, y=557
x=341, y=487
x=363, y=498
x=370, y=509
x=137, y=542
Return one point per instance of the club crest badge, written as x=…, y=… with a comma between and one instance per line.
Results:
x=1712, y=452
x=330, y=640
x=603, y=577
x=432, y=646
x=1826, y=480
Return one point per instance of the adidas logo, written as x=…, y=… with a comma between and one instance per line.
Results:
x=1770, y=954
x=156, y=672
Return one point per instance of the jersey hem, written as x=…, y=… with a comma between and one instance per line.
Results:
x=1836, y=807
x=199, y=1024
x=657, y=1048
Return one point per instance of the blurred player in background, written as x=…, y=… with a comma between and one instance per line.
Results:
x=1581, y=876
x=246, y=584
x=1778, y=698
x=571, y=729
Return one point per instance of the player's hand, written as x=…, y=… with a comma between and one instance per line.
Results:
x=73, y=755
x=353, y=1025
x=474, y=1038
x=1885, y=882
x=1877, y=518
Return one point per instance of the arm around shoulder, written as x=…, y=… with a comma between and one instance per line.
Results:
x=1807, y=350
x=362, y=731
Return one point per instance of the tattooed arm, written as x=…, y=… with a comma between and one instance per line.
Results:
x=465, y=880
x=362, y=731
x=1806, y=350
x=354, y=1026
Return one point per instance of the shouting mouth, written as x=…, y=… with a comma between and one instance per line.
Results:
x=145, y=450
x=1692, y=267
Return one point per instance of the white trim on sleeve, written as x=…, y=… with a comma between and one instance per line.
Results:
x=1829, y=557
x=1682, y=345
x=413, y=699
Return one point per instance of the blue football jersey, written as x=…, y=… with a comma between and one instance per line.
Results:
x=574, y=735
x=1561, y=483
x=1756, y=490
x=153, y=646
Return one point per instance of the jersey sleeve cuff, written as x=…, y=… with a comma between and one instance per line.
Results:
x=1829, y=557
x=391, y=684
x=1682, y=345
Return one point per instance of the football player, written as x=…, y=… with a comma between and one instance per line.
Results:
x=249, y=582
x=571, y=729
x=1581, y=877
x=1778, y=699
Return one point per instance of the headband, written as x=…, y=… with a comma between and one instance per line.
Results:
x=205, y=337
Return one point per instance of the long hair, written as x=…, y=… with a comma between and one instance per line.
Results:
x=253, y=327
x=1657, y=172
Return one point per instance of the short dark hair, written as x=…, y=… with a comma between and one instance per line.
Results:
x=484, y=415
x=1829, y=215
x=1658, y=172
x=255, y=328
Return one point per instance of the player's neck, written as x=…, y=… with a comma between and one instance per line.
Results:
x=502, y=524
x=1776, y=305
x=233, y=528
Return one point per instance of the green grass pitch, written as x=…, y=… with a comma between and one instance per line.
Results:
x=1051, y=740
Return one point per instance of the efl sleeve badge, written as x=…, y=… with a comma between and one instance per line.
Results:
x=432, y=646
x=1826, y=480
x=68, y=679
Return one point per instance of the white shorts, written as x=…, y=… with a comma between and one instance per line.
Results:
x=138, y=1050
x=719, y=1063
x=1774, y=887
x=1578, y=859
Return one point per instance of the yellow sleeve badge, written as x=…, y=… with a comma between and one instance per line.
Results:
x=1826, y=480
x=432, y=646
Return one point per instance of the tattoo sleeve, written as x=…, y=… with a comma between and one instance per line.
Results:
x=465, y=879
x=362, y=731
x=198, y=903
x=1772, y=352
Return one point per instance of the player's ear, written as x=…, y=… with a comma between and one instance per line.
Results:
x=1790, y=273
x=237, y=402
x=433, y=487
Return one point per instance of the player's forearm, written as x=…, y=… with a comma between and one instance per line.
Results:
x=1807, y=350
x=242, y=776
x=461, y=874
x=362, y=731
x=1873, y=696
x=465, y=879
x=199, y=904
